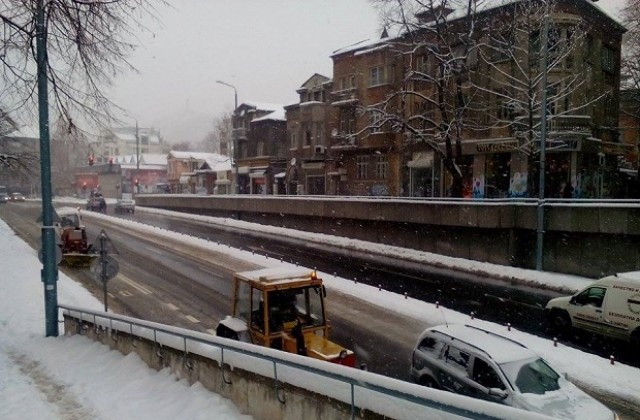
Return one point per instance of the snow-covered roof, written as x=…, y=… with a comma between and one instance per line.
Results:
x=277, y=115
x=218, y=165
x=201, y=156
x=261, y=106
x=128, y=134
x=153, y=159
x=459, y=11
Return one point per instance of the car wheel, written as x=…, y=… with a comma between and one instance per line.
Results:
x=635, y=341
x=559, y=322
x=429, y=382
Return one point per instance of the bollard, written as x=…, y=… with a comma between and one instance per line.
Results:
x=612, y=359
x=508, y=326
x=379, y=287
x=406, y=295
x=473, y=314
x=355, y=280
x=437, y=304
x=555, y=342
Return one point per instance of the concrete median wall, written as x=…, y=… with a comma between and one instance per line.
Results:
x=582, y=239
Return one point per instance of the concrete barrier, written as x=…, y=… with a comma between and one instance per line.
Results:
x=586, y=238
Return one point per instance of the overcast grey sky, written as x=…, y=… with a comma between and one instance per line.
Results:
x=266, y=48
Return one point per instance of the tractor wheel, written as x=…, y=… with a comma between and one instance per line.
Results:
x=429, y=382
x=559, y=321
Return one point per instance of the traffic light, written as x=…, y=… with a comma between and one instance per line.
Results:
x=91, y=159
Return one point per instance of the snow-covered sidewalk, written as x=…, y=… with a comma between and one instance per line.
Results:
x=71, y=377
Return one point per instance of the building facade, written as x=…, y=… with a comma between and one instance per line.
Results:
x=403, y=106
x=259, y=136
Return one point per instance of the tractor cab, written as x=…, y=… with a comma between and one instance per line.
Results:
x=283, y=309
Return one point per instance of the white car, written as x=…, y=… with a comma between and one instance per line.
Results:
x=471, y=361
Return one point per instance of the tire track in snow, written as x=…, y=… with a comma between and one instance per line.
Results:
x=68, y=407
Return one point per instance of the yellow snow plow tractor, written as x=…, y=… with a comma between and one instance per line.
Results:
x=283, y=309
x=73, y=242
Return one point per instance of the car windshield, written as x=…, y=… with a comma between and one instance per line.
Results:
x=531, y=376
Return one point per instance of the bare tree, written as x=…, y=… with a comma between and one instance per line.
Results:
x=435, y=101
x=631, y=78
x=511, y=57
x=219, y=138
x=88, y=43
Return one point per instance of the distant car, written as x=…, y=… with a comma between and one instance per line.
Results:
x=16, y=196
x=97, y=202
x=125, y=204
x=478, y=363
x=4, y=198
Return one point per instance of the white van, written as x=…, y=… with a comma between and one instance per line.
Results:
x=610, y=307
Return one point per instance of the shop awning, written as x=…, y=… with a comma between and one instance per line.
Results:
x=421, y=160
x=256, y=174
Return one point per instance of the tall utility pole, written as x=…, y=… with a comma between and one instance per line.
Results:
x=137, y=157
x=49, y=272
x=543, y=141
x=236, y=186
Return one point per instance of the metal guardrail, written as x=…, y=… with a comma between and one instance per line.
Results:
x=352, y=377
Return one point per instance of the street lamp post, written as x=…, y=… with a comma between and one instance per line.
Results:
x=543, y=143
x=233, y=137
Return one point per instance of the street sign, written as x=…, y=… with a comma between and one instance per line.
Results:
x=58, y=255
x=111, y=268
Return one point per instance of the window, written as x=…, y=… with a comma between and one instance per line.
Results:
x=319, y=134
x=376, y=76
x=431, y=345
x=376, y=121
x=485, y=375
x=347, y=120
x=593, y=296
x=588, y=47
x=382, y=166
x=307, y=135
x=362, y=165
x=294, y=139
x=457, y=358
x=608, y=58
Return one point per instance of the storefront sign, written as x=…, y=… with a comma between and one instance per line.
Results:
x=497, y=147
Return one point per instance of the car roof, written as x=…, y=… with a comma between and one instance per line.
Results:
x=499, y=348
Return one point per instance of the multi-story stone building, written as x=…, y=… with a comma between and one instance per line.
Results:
x=260, y=142
x=410, y=111
x=310, y=168
x=128, y=141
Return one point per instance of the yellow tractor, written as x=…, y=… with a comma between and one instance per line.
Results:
x=283, y=309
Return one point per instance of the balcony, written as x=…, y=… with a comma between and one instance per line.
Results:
x=239, y=134
x=344, y=97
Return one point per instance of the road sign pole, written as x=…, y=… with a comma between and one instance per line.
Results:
x=103, y=266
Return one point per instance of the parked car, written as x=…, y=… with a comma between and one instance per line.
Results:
x=609, y=307
x=16, y=196
x=97, y=202
x=4, y=198
x=478, y=363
